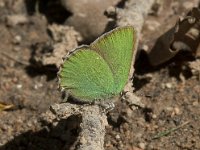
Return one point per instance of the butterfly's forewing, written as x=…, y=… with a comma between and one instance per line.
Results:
x=116, y=48
x=86, y=75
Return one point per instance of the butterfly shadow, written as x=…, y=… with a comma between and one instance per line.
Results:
x=142, y=66
x=179, y=66
x=36, y=67
x=51, y=9
x=63, y=136
x=174, y=66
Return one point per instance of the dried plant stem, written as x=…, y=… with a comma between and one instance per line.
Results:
x=92, y=126
x=169, y=131
x=15, y=59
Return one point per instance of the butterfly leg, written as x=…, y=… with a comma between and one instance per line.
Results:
x=106, y=106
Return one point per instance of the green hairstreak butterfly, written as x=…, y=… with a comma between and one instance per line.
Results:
x=99, y=71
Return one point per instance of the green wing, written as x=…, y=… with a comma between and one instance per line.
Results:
x=86, y=75
x=116, y=48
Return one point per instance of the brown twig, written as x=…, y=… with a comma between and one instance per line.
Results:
x=92, y=124
x=133, y=14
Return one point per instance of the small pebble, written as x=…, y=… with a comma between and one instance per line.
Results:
x=39, y=85
x=19, y=86
x=17, y=39
x=145, y=47
x=195, y=103
x=111, y=10
x=169, y=108
x=142, y=145
x=117, y=136
x=15, y=80
x=154, y=116
x=177, y=111
x=168, y=85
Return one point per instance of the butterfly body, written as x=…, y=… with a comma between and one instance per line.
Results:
x=99, y=71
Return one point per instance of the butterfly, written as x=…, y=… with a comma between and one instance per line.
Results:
x=100, y=70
